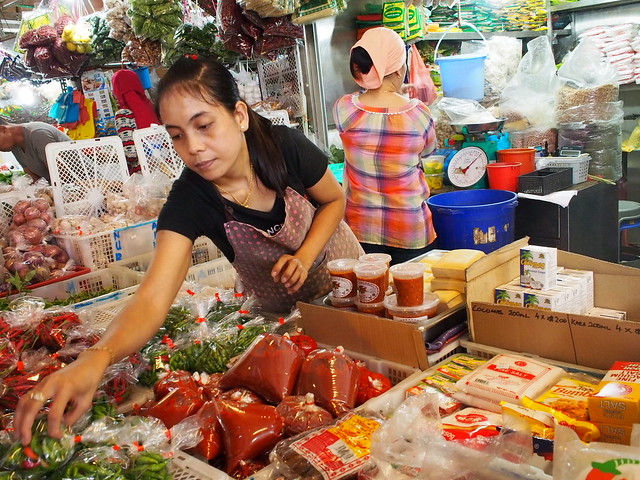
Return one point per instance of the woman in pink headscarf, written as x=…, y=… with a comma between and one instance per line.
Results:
x=384, y=134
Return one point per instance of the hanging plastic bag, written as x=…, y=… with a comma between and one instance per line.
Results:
x=421, y=85
x=529, y=98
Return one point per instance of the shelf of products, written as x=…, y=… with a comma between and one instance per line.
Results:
x=474, y=36
x=589, y=4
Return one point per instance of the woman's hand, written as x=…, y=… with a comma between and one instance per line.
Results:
x=70, y=390
x=290, y=271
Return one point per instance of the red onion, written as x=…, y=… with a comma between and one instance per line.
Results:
x=51, y=250
x=20, y=206
x=46, y=217
x=31, y=212
x=19, y=219
x=41, y=204
x=31, y=234
x=42, y=274
x=34, y=258
x=39, y=223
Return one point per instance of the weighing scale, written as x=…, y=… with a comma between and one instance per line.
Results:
x=478, y=146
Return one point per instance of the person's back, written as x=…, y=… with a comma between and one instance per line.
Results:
x=384, y=134
x=27, y=142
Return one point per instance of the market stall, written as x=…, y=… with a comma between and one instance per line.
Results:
x=509, y=351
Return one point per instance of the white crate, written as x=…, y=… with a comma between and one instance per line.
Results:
x=579, y=165
x=7, y=201
x=277, y=117
x=282, y=79
x=100, y=316
x=92, y=282
x=98, y=250
x=83, y=172
x=488, y=352
x=215, y=273
x=156, y=153
x=186, y=467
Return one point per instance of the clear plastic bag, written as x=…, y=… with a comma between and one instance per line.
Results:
x=421, y=84
x=586, y=67
x=531, y=93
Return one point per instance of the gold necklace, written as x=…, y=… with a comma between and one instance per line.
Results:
x=245, y=204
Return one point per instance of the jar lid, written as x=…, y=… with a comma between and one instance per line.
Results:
x=408, y=270
x=368, y=270
x=430, y=301
x=375, y=257
x=342, y=264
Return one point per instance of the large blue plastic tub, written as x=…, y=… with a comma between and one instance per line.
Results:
x=479, y=219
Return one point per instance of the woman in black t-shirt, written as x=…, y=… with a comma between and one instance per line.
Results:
x=245, y=186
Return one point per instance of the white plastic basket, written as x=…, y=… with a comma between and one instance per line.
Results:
x=93, y=282
x=7, y=201
x=156, y=153
x=277, y=117
x=83, y=172
x=282, y=78
x=186, y=467
x=579, y=165
x=98, y=250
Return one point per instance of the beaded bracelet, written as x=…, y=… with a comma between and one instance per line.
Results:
x=103, y=349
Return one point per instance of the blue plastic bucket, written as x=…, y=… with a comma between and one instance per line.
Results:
x=144, y=76
x=462, y=76
x=479, y=219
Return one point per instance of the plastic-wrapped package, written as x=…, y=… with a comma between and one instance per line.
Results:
x=575, y=460
x=250, y=430
x=306, y=343
x=371, y=384
x=96, y=462
x=301, y=414
x=269, y=367
x=333, y=379
x=174, y=407
x=173, y=380
x=336, y=451
x=241, y=395
x=41, y=457
x=211, y=444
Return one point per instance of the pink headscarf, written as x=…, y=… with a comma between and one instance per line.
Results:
x=386, y=49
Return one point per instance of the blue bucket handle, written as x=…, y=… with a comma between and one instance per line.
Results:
x=456, y=24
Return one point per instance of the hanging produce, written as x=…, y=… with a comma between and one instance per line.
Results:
x=155, y=19
x=202, y=41
x=105, y=48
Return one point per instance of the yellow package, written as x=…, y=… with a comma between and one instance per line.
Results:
x=455, y=263
x=587, y=431
x=569, y=396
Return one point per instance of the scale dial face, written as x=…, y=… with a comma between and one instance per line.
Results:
x=467, y=166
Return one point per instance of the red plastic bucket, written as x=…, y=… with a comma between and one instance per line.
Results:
x=526, y=156
x=504, y=175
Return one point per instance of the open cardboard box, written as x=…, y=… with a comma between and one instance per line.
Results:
x=376, y=336
x=579, y=339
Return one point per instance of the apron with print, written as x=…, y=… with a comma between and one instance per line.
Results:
x=256, y=252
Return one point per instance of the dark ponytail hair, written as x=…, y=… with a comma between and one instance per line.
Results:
x=210, y=80
x=360, y=62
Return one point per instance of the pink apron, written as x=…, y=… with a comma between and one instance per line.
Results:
x=256, y=252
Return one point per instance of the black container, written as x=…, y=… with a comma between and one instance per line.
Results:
x=545, y=181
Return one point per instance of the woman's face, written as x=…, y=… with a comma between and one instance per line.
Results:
x=208, y=138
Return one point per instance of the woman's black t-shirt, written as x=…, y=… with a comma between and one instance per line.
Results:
x=194, y=207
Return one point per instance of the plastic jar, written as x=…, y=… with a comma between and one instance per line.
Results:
x=408, y=279
x=377, y=258
x=343, y=278
x=372, y=282
x=341, y=302
x=428, y=309
x=372, y=308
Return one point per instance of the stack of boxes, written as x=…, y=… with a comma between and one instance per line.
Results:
x=545, y=286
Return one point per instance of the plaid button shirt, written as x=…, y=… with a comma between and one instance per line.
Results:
x=386, y=188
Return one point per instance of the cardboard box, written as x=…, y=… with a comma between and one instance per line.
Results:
x=577, y=339
x=376, y=336
x=617, y=396
x=611, y=433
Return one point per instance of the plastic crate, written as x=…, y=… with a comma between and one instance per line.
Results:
x=100, y=316
x=277, y=117
x=215, y=273
x=76, y=271
x=156, y=153
x=579, y=165
x=83, y=172
x=98, y=250
x=186, y=467
x=92, y=282
x=488, y=352
x=281, y=78
x=7, y=201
